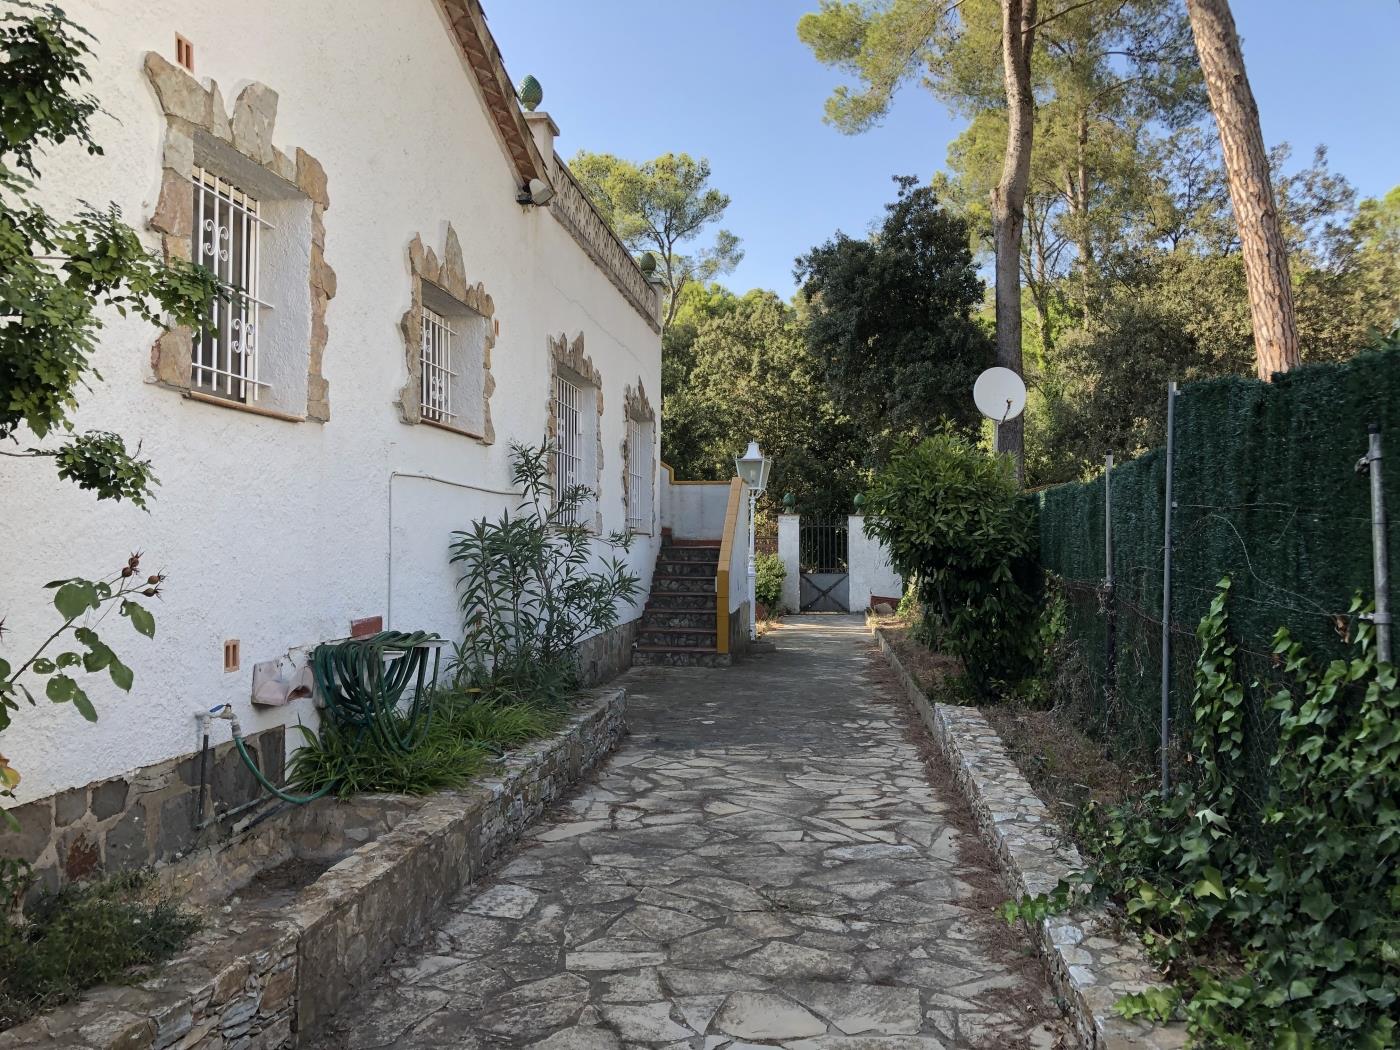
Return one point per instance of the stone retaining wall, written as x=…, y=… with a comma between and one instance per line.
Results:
x=1090, y=965
x=265, y=983
x=146, y=817
x=605, y=656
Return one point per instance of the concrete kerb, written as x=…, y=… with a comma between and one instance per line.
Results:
x=268, y=985
x=1090, y=965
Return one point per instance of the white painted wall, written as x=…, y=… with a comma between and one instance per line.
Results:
x=788, y=539
x=871, y=573
x=693, y=510
x=278, y=533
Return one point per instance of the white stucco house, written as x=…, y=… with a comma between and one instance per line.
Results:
x=357, y=168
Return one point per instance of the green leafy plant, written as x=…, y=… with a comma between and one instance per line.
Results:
x=953, y=520
x=56, y=274
x=83, y=935
x=1279, y=923
x=532, y=587
x=470, y=728
x=768, y=583
x=83, y=605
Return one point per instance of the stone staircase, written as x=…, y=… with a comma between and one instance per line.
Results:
x=678, y=626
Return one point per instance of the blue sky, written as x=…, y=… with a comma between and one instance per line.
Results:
x=729, y=80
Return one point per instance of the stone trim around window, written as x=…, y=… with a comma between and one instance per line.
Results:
x=189, y=107
x=571, y=357
x=636, y=405
x=448, y=274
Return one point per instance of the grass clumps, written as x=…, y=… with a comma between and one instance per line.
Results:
x=470, y=727
x=83, y=935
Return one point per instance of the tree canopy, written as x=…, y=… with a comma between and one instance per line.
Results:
x=1131, y=255
x=660, y=206
x=753, y=376
x=890, y=320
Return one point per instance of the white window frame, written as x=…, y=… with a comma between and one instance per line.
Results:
x=568, y=438
x=227, y=239
x=436, y=353
x=639, y=442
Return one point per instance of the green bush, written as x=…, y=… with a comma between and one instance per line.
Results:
x=528, y=592
x=83, y=935
x=1278, y=918
x=768, y=584
x=953, y=520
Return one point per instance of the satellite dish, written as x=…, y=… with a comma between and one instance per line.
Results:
x=1000, y=394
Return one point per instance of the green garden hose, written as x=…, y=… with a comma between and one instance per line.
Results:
x=299, y=800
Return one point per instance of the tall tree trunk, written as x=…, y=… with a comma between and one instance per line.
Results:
x=1009, y=203
x=1247, y=169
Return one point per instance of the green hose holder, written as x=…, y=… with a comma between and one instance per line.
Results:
x=363, y=681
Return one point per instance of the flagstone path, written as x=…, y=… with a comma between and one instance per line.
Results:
x=765, y=861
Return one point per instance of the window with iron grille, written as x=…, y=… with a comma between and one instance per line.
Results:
x=226, y=240
x=438, y=396
x=568, y=436
x=638, y=475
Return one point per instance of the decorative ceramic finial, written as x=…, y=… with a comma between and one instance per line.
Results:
x=530, y=92
x=646, y=262
x=789, y=501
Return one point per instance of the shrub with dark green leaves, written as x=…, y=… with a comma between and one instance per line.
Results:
x=62, y=276
x=534, y=583
x=953, y=520
x=768, y=583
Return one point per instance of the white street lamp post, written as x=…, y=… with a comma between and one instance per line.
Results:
x=753, y=469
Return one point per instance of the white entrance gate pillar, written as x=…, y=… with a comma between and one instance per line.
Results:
x=872, y=577
x=788, y=538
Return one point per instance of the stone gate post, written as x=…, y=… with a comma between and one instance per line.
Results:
x=872, y=578
x=788, y=537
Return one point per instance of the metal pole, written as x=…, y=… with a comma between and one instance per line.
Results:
x=1380, y=555
x=1110, y=663
x=1167, y=587
x=753, y=573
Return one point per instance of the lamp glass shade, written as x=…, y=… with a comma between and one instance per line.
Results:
x=749, y=466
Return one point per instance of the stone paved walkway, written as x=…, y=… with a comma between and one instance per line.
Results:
x=764, y=861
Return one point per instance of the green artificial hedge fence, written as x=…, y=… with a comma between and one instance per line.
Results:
x=1267, y=492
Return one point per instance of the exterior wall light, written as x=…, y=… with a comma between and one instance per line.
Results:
x=536, y=191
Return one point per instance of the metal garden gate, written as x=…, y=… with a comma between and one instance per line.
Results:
x=824, y=579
